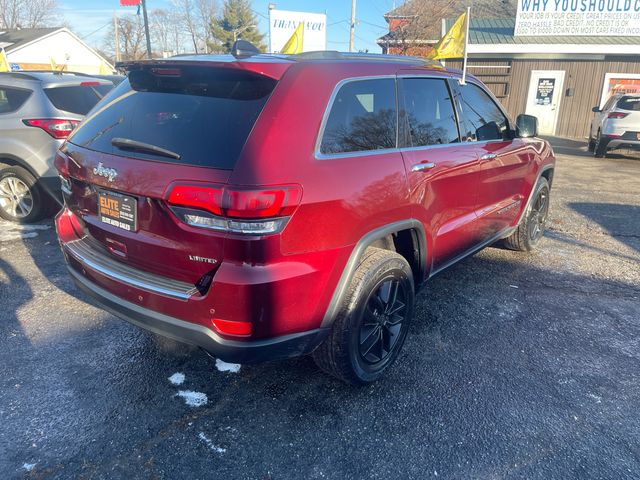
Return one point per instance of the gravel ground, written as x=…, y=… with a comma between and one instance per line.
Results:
x=517, y=366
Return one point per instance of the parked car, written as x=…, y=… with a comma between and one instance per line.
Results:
x=265, y=207
x=617, y=125
x=38, y=110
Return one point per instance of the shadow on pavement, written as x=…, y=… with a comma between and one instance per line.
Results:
x=620, y=221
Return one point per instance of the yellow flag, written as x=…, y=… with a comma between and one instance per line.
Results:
x=104, y=70
x=4, y=63
x=453, y=42
x=294, y=44
x=53, y=63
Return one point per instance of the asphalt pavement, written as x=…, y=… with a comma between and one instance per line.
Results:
x=517, y=366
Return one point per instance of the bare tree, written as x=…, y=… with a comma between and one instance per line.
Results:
x=196, y=18
x=132, y=40
x=159, y=29
x=28, y=13
x=419, y=22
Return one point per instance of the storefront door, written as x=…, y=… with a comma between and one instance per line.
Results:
x=543, y=100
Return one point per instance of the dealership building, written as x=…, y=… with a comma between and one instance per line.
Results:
x=558, y=78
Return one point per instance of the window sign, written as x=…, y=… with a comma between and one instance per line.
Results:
x=627, y=83
x=544, y=92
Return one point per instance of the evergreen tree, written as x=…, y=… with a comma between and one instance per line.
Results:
x=237, y=22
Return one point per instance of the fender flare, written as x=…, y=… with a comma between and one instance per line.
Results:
x=527, y=205
x=16, y=161
x=359, y=249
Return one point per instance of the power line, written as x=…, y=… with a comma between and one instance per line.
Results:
x=96, y=31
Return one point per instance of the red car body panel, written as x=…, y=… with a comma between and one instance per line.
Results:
x=283, y=283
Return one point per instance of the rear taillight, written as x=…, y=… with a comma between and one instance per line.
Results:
x=56, y=127
x=617, y=115
x=234, y=209
x=61, y=164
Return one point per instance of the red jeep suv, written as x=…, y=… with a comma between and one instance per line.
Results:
x=265, y=206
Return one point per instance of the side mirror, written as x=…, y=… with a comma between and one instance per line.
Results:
x=526, y=126
x=596, y=110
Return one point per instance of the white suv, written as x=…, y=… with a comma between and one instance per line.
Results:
x=617, y=125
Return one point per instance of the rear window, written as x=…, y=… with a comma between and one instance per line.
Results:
x=203, y=115
x=78, y=99
x=629, y=103
x=11, y=99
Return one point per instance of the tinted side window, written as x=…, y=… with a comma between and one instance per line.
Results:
x=428, y=113
x=609, y=104
x=77, y=99
x=362, y=117
x=481, y=117
x=11, y=99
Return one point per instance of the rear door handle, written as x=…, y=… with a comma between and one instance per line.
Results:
x=488, y=156
x=419, y=167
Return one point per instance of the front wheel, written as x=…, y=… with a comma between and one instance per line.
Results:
x=533, y=223
x=372, y=324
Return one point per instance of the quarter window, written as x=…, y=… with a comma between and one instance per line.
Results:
x=428, y=113
x=362, y=118
x=11, y=99
x=481, y=119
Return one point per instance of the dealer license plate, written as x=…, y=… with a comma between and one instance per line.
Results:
x=118, y=210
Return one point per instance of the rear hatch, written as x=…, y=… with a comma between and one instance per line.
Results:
x=166, y=125
x=627, y=117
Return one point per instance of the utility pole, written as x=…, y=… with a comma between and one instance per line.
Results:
x=116, y=31
x=353, y=25
x=146, y=27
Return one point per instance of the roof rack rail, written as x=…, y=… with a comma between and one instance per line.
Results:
x=376, y=57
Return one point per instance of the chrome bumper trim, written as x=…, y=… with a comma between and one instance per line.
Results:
x=103, y=264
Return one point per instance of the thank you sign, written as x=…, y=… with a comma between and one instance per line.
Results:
x=283, y=23
x=607, y=18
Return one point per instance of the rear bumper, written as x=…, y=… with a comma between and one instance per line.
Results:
x=623, y=143
x=228, y=350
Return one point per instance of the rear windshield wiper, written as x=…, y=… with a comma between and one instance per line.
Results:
x=134, y=145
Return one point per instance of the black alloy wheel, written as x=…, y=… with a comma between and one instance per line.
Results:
x=538, y=215
x=382, y=319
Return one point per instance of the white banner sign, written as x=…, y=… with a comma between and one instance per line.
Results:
x=283, y=23
x=607, y=18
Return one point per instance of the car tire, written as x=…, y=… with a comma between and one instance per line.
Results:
x=21, y=200
x=532, y=226
x=600, y=147
x=591, y=145
x=372, y=323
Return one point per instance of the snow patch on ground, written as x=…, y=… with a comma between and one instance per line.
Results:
x=14, y=231
x=177, y=378
x=227, y=367
x=210, y=444
x=28, y=466
x=193, y=399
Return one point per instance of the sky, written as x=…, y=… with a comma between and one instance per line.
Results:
x=90, y=18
